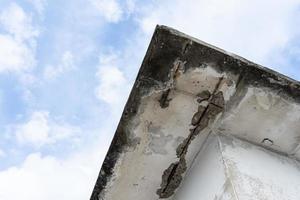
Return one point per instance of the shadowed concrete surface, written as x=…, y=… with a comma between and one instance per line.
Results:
x=202, y=123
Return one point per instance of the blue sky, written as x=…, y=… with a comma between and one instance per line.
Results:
x=66, y=69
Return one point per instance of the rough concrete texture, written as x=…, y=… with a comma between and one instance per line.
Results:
x=201, y=123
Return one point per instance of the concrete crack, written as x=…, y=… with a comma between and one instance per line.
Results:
x=173, y=175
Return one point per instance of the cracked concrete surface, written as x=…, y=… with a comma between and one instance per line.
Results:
x=172, y=176
x=201, y=123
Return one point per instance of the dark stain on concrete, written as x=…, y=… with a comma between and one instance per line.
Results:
x=172, y=178
x=173, y=175
x=198, y=115
x=203, y=96
x=218, y=99
x=164, y=100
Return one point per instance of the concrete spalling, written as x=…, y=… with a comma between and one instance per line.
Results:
x=203, y=123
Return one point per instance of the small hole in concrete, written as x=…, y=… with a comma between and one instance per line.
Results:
x=267, y=142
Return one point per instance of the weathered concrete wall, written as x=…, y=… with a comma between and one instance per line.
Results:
x=228, y=168
x=201, y=123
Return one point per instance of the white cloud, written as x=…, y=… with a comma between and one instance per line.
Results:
x=109, y=9
x=17, y=45
x=67, y=64
x=39, y=5
x=113, y=87
x=40, y=130
x=16, y=22
x=251, y=28
x=15, y=56
x=46, y=177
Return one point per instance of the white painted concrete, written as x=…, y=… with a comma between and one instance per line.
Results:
x=229, y=168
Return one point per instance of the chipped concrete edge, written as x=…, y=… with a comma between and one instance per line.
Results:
x=258, y=66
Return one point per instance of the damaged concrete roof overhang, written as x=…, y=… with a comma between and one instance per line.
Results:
x=197, y=113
